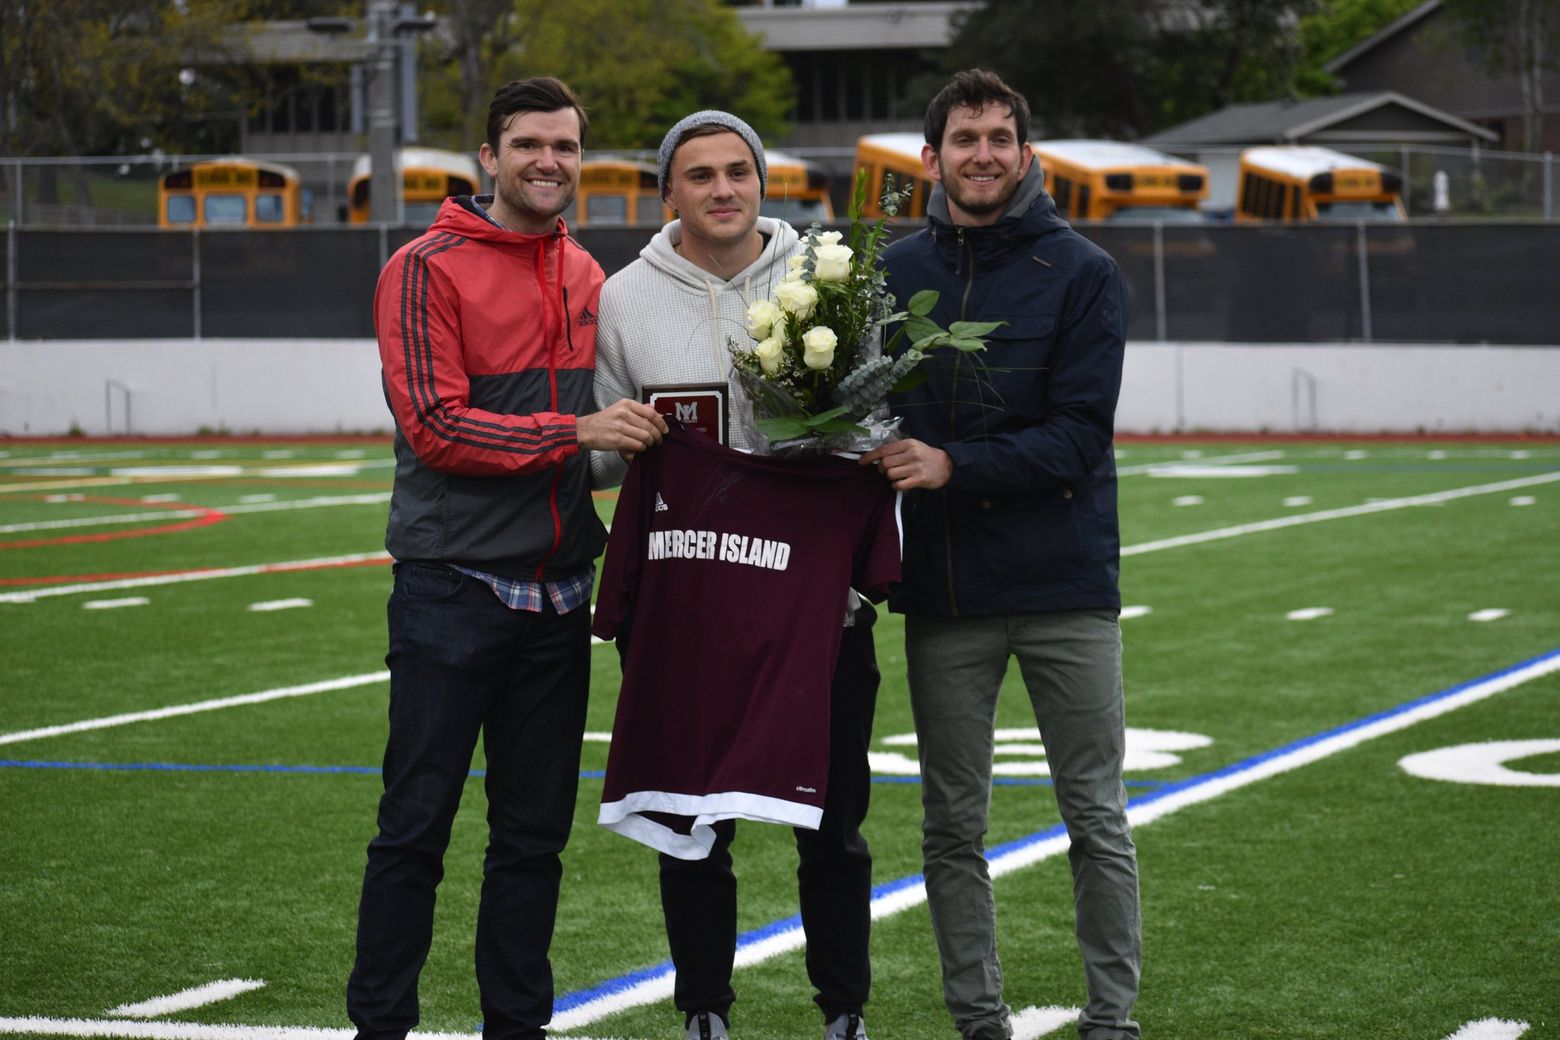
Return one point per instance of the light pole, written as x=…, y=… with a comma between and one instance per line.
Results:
x=384, y=30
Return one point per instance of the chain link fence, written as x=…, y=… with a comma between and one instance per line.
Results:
x=1422, y=282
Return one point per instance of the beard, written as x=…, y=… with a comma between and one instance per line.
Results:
x=533, y=205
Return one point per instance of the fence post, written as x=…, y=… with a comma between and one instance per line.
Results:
x=11, y=294
x=1549, y=185
x=195, y=300
x=1161, y=318
x=1408, y=181
x=1365, y=322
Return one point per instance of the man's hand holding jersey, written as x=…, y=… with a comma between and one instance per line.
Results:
x=626, y=427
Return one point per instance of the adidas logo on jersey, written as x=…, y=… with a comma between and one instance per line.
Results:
x=587, y=317
x=660, y=505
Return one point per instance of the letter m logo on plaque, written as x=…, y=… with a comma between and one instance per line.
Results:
x=701, y=407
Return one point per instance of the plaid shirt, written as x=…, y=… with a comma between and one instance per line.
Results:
x=527, y=595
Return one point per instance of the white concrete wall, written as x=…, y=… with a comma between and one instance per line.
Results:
x=1339, y=387
x=51, y=387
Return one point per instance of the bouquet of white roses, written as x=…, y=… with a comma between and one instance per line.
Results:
x=818, y=373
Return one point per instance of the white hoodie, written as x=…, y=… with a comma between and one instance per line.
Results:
x=666, y=320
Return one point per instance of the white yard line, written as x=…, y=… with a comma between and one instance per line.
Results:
x=107, y=722
x=90, y=1027
x=1217, y=460
x=1490, y=1029
x=1297, y=519
x=43, y=592
x=196, y=996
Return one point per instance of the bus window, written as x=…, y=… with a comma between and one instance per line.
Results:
x=270, y=209
x=1305, y=183
x=179, y=209
x=226, y=209
x=606, y=209
x=613, y=189
x=428, y=177
x=1113, y=180
x=231, y=192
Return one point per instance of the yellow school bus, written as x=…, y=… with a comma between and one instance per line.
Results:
x=1114, y=180
x=1308, y=183
x=798, y=190
x=428, y=177
x=231, y=192
x=614, y=192
x=897, y=156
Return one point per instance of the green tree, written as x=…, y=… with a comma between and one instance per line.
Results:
x=637, y=65
x=1339, y=25
x=117, y=77
x=1514, y=37
x=1123, y=68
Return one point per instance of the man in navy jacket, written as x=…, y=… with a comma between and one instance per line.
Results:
x=1011, y=545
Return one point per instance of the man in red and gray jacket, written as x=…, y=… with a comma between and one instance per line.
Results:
x=487, y=335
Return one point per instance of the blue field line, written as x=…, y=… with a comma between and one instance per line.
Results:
x=609, y=987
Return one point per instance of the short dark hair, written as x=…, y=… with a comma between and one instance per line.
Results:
x=536, y=94
x=975, y=88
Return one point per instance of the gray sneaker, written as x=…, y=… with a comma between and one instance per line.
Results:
x=707, y=1025
x=848, y=1026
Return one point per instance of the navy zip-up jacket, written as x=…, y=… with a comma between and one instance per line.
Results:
x=1027, y=523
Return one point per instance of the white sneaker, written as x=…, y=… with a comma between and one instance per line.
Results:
x=848, y=1026
x=707, y=1025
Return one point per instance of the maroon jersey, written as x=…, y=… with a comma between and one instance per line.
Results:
x=734, y=570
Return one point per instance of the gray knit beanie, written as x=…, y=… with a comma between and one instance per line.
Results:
x=712, y=117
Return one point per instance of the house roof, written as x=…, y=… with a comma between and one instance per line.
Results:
x=1327, y=118
x=1386, y=32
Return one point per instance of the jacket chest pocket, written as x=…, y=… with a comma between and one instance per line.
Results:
x=1012, y=373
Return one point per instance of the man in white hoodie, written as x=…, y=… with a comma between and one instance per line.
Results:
x=666, y=319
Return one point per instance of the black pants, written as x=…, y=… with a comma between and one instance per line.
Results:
x=462, y=665
x=699, y=897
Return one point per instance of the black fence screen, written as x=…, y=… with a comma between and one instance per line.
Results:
x=1419, y=282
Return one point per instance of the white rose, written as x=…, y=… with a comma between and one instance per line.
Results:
x=828, y=238
x=762, y=316
x=770, y=352
x=831, y=263
x=797, y=299
x=818, y=345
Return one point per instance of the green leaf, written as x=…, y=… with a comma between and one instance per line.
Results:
x=782, y=427
x=975, y=328
x=966, y=343
x=839, y=426
x=822, y=418
x=921, y=303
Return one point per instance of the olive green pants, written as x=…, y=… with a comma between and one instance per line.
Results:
x=1071, y=665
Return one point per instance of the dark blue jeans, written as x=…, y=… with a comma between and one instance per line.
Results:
x=462, y=663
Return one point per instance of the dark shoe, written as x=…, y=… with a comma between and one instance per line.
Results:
x=848, y=1026
x=707, y=1025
